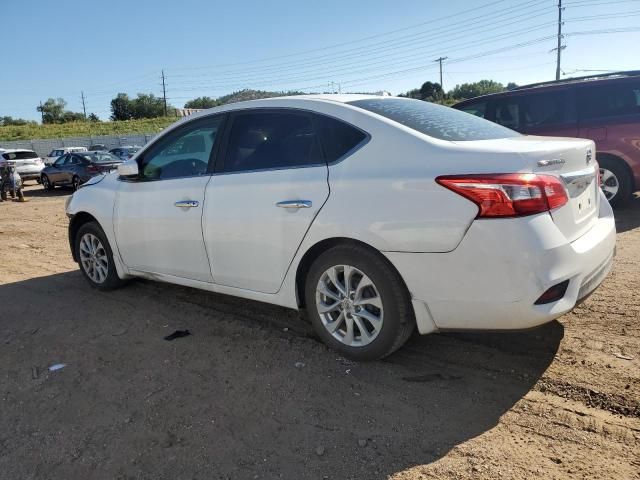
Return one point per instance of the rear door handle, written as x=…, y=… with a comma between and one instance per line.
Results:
x=187, y=204
x=294, y=204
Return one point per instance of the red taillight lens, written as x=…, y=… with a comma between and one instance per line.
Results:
x=92, y=169
x=508, y=194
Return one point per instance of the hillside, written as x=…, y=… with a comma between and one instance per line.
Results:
x=145, y=125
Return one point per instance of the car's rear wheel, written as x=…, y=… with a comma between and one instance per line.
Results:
x=46, y=183
x=95, y=257
x=75, y=182
x=357, y=303
x=615, y=181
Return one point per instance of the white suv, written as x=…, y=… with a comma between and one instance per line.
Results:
x=28, y=163
x=58, y=152
x=376, y=214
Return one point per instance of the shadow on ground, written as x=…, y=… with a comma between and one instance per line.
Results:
x=250, y=394
x=628, y=217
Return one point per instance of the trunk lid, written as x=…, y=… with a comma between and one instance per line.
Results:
x=571, y=160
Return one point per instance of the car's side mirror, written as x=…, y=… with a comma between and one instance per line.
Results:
x=128, y=169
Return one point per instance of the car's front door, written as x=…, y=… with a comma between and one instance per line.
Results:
x=158, y=215
x=56, y=173
x=264, y=196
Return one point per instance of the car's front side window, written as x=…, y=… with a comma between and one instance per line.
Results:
x=185, y=152
x=271, y=139
x=60, y=161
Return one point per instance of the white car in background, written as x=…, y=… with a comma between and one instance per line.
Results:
x=28, y=163
x=56, y=153
x=375, y=214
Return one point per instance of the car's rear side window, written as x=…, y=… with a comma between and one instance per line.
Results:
x=615, y=99
x=19, y=155
x=437, y=121
x=274, y=139
x=338, y=138
x=479, y=109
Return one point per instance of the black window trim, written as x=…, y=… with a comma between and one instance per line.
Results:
x=219, y=170
x=213, y=155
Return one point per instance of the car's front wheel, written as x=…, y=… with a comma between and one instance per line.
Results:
x=95, y=257
x=357, y=303
x=46, y=183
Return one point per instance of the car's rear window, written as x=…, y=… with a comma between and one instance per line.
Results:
x=100, y=157
x=437, y=121
x=19, y=155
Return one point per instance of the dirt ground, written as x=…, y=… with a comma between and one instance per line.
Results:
x=252, y=395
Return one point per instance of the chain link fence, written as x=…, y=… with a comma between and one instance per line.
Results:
x=43, y=147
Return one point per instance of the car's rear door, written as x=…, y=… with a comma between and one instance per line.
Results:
x=158, y=216
x=266, y=193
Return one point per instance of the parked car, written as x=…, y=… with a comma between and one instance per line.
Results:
x=376, y=214
x=98, y=147
x=58, y=152
x=28, y=164
x=603, y=108
x=74, y=169
x=125, y=153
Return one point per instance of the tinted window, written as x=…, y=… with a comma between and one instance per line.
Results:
x=100, y=157
x=19, y=155
x=521, y=112
x=264, y=140
x=183, y=153
x=60, y=161
x=610, y=100
x=478, y=109
x=338, y=138
x=434, y=120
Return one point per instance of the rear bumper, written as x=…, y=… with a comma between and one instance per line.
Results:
x=30, y=173
x=502, y=266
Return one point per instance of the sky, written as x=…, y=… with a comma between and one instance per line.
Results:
x=62, y=48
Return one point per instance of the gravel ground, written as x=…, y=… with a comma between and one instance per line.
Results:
x=251, y=394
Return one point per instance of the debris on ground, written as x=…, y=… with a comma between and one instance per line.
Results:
x=177, y=334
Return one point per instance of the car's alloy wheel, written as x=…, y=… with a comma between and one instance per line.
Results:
x=46, y=183
x=609, y=183
x=76, y=183
x=93, y=258
x=358, y=303
x=349, y=305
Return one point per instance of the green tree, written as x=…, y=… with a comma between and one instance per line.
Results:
x=8, y=120
x=471, y=90
x=69, y=116
x=147, y=105
x=93, y=118
x=201, y=102
x=429, y=91
x=121, y=107
x=511, y=85
x=52, y=110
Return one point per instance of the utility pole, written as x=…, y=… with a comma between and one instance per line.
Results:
x=41, y=112
x=440, y=60
x=84, y=108
x=560, y=46
x=164, y=94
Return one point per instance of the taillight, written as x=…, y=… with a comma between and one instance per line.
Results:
x=92, y=169
x=508, y=194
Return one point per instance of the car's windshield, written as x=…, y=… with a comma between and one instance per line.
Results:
x=19, y=155
x=100, y=157
x=437, y=121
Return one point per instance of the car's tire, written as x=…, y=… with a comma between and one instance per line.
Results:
x=374, y=319
x=95, y=257
x=75, y=182
x=46, y=183
x=615, y=181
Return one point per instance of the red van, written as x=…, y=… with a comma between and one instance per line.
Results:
x=603, y=108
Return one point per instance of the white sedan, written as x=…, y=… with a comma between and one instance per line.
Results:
x=375, y=214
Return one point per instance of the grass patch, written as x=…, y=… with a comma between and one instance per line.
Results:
x=84, y=129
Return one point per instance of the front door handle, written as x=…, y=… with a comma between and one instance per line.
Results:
x=294, y=204
x=187, y=204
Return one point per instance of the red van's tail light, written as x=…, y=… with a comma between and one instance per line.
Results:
x=508, y=194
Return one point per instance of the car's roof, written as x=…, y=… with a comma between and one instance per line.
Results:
x=554, y=84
